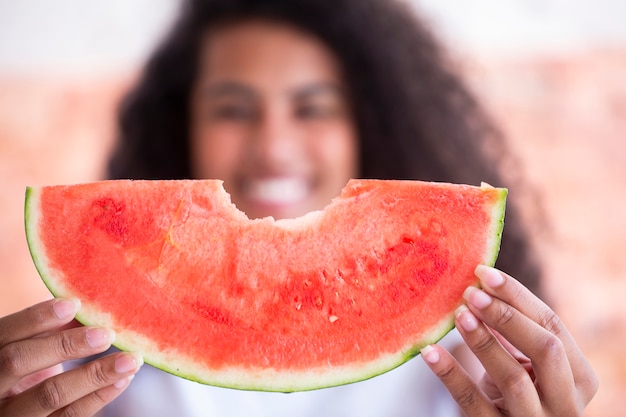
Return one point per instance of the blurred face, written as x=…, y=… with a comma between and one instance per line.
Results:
x=270, y=117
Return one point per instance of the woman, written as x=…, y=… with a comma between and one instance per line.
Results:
x=284, y=101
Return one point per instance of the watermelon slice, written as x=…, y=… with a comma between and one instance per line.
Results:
x=333, y=297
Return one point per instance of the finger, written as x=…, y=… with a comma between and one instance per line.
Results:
x=37, y=319
x=515, y=352
x=33, y=379
x=472, y=400
x=486, y=382
x=71, y=325
x=513, y=382
x=512, y=292
x=94, y=402
x=550, y=365
x=82, y=386
x=22, y=358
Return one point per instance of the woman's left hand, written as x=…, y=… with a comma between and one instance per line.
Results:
x=533, y=366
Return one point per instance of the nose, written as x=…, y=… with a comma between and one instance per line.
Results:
x=276, y=139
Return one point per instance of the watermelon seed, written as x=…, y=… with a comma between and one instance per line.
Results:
x=318, y=301
x=325, y=275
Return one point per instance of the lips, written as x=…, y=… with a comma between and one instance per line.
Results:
x=277, y=191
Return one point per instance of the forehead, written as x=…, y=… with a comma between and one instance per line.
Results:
x=262, y=51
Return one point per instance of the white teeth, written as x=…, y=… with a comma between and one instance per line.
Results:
x=277, y=190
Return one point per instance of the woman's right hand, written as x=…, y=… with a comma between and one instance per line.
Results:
x=36, y=341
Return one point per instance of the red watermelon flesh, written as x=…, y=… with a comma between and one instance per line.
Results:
x=333, y=297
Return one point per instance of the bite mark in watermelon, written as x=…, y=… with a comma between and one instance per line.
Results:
x=333, y=297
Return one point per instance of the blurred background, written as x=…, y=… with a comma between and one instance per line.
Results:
x=551, y=72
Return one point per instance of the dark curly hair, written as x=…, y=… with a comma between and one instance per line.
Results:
x=415, y=118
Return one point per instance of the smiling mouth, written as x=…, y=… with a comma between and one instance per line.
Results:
x=277, y=191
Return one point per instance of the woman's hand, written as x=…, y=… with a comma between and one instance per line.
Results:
x=33, y=344
x=533, y=365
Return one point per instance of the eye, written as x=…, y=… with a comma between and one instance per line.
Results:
x=314, y=111
x=234, y=112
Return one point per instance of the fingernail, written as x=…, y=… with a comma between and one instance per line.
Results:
x=466, y=319
x=489, y=276
x=128, y=362
x=122, y=383
x=98, y=337
x=64, y=309
x=430, y=354
x=476, y=297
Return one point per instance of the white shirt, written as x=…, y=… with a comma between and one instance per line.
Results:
x=409, y=390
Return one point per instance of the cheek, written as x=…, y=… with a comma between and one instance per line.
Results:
x=339, y=153
x=216, y=152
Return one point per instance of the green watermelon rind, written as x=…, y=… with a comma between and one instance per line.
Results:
x=31, y=218
x=497, y=227
x=264, y=380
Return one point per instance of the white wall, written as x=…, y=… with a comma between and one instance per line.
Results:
x=84, y=36
x=528, y=26
x=92, y=36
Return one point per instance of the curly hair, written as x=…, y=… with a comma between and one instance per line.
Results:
x=415, y=118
